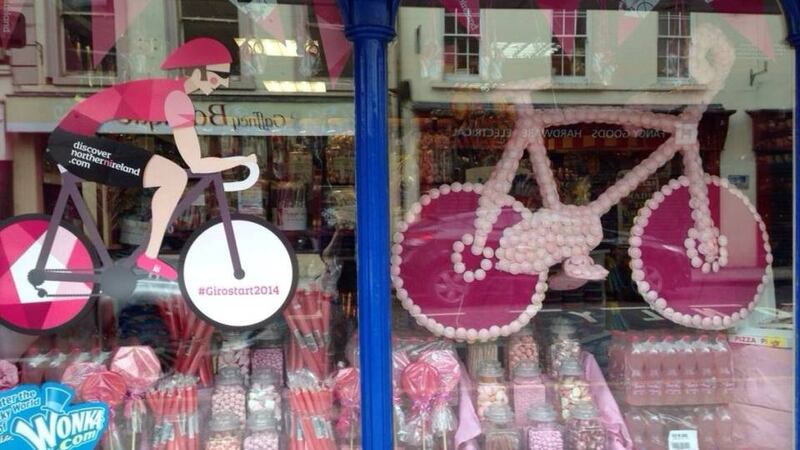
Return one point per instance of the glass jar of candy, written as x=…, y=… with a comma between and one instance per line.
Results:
x=262, y=432
x=229, y=395
x=492, y=388
x=571, y=387
x=527, y=389
x=234, y=351
x=564, y=345
x=501, y=434
x=224, y=432
x=584, y=431
x=521, y=347
x=264, y=395
x=543, y=430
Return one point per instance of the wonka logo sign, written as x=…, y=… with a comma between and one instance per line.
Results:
x=42, y=418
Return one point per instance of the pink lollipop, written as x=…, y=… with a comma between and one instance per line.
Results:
x=75, y=374
x=420, y=382
x=446, y=363
x=9, y=375
x=107, y=387
x=138, y=366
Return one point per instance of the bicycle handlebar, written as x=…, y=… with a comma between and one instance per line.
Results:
x=252, y=178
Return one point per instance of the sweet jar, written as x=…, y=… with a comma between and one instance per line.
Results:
x=521, y=347
x=564, y=346
x=264, y=395
x=527, y=389
x=224, y=432
x=229, y=394
x=543, y=430
x=501, y=434
x=262, y=432
x=492, y=388
x=584, y=431
x=571, y=387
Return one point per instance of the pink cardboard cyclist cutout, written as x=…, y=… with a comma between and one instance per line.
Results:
x=50, y=272
x=471, y=263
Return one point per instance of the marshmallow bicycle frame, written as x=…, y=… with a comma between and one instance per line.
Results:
x=51, y=273
x=469, y=262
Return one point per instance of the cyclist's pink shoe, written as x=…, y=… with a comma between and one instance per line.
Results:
x=156, y=267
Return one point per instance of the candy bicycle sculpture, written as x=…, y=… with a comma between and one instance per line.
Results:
x=469, y=262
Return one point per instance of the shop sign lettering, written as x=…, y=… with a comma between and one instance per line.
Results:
x=216, y=114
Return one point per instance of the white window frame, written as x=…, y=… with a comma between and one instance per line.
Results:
x=686, y=38
x=176, y=38
x=56, y=59
x=456, y=35
x=563, y=14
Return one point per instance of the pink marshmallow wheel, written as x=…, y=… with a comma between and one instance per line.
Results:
x=688, y=291
x=438, y=291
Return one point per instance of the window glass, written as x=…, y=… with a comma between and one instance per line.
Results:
x=592, y=245
x=177, y=228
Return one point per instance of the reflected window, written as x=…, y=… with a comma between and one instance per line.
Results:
x=461, y=45
x=82, y=51
x=674, y=37
x=569, y=42
x=218, y=19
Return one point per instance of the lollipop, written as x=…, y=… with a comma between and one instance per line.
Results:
x=347, y=390
x=9, y=375
x=446, y=363
x=76, y=373
x=420, y=382
x=140, y=368
x=109, y=388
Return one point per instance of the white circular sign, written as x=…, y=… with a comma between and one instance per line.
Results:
x=214, y=291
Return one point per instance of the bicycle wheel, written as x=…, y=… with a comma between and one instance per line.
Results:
x=207, y=277
x=438, y=297
x=664, y=274
x=21, y=307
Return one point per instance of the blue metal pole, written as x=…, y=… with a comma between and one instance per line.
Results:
x=370, y=25
x=791, y=10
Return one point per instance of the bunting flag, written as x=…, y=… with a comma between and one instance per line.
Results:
x=560, y=25
x=10, y=12
x=468, y=13
x=266, y=15
x=109, y=25
x=335, y=45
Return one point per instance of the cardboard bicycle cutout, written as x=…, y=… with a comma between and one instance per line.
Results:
x=236, y=271
x=471, y=263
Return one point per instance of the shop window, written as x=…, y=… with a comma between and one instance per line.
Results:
x=83, y=55
x=461, y=46
x=569, y=42
x=218, y=19
x=674, y=38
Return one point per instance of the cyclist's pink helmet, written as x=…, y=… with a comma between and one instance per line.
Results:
x=196, y=53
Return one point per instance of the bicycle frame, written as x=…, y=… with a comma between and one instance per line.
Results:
x=529, y=134
x=69, y=190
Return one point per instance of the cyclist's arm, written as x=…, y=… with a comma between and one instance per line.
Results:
x=189, y=147
x=179, y=112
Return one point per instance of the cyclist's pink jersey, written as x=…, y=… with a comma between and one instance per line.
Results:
x=153, y=100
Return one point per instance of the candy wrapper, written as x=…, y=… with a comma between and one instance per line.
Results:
x=140, y=368
x=174, y=406
x=109, y=388
x=310, y=410
x=443, y=419
x=420, y=382
x=347, y=390
x=9, y=375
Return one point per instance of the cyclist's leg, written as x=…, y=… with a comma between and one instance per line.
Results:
x=169, y=179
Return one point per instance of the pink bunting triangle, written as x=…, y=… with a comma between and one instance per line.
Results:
x=628, y=22
x=108, y=25
x=272, y=24
x=8, y=7
x=568, y=43
x=469, y=13
x=754, y=28
x=334, y=43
